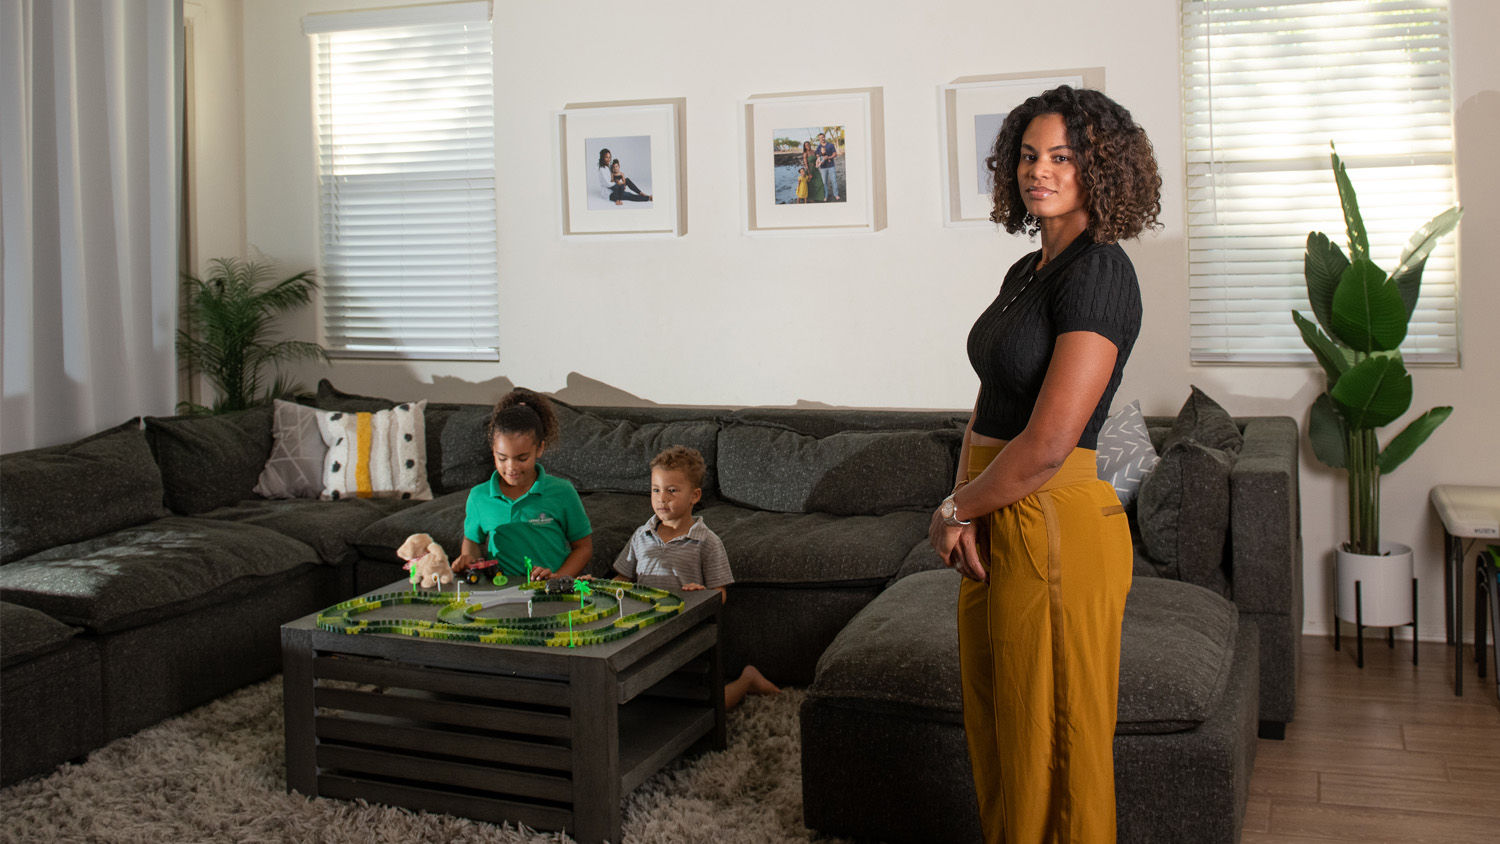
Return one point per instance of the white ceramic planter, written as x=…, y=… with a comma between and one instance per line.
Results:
x=1385, y=585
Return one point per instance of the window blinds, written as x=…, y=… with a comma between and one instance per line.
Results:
x=1266, y=86
x=405, y=111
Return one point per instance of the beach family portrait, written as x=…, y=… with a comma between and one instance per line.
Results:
x=619, y=171
x=809, y=165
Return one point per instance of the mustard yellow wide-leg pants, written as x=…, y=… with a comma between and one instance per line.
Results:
x=1039, y=647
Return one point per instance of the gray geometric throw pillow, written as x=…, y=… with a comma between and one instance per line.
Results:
x=295, y=468
x=1125, y=455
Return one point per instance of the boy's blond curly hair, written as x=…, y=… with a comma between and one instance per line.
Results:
x=680, y=458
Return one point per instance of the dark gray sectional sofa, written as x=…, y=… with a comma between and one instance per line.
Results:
x=160, y=582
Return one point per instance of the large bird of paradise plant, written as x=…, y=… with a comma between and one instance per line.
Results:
x=1361, y=316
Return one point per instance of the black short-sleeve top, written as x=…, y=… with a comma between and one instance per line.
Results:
x=1089, y=287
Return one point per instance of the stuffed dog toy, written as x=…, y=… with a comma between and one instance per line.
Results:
x=428, y=559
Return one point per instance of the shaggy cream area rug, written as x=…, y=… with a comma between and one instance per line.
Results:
x=216, y=774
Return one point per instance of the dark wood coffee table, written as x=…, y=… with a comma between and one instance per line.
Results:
x=546, y=736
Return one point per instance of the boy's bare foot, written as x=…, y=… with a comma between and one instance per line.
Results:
x=759, y=685
x=619, y=202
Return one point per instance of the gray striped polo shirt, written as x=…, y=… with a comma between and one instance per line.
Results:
x=695, y=557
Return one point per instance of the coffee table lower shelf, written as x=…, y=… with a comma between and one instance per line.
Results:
x=548, y=737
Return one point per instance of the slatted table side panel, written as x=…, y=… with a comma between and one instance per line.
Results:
x=446, y=802
x=500, y=746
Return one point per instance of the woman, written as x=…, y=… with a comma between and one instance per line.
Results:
x=606, y=177
x=814, y=179
x=1042, y=543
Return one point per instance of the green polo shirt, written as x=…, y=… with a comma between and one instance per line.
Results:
x=543, y=524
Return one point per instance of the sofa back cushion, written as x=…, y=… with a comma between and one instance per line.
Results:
x=603, y=454
x=63, y=494
x=850, y=473
x=210, y=461
x=1184, y=508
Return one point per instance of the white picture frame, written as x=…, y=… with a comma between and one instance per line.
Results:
x=967, y=110
x=646, y=139
x=854, y=118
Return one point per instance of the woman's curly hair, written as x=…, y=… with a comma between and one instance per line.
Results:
x=523, y=411
x=1116, y=166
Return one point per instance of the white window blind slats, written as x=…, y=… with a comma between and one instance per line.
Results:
x=407, y=168
x=1266, y=86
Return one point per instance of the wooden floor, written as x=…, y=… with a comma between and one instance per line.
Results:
x=1383, y=754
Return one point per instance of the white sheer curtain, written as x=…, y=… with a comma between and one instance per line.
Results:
x=89, y=180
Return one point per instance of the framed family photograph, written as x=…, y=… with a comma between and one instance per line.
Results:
x=970, y=114
x=620, y=172
x=813, y=162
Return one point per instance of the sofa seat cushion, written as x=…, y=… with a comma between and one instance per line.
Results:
x=329, y=527
x=813, y=549
x=900, y=654
x=29, y=633
x=69, y=493
x=148, y=572
x=1176, y=649
x=442, y=518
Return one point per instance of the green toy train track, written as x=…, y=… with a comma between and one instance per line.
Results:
x=456, y=620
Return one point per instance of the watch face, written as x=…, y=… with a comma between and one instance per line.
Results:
x=948, y=509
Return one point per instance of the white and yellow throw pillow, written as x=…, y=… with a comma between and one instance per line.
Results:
x=375, y=455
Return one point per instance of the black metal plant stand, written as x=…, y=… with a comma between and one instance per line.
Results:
x=1390, y=632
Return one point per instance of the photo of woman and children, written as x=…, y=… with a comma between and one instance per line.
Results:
x=809, y=165
x=622, y=168
x=524, y=513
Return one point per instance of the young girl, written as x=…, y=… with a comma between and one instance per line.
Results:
x=521, y=511
x=801, y=184
x=622, y=182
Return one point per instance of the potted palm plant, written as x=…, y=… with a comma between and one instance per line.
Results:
x=1362, y=314
x=229, y=338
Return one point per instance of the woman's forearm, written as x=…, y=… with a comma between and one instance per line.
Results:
x=1016, y=472
x=1077, y=375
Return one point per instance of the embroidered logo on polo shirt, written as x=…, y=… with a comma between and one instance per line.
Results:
x=541, y=520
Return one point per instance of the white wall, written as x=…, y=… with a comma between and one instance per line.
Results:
x=719, y=318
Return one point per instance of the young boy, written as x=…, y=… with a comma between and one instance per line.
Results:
x=675, y=550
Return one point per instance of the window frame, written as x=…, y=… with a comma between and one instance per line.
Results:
x=389, y=201
x=1250, y=204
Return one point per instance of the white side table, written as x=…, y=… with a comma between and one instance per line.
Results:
x=1468, y=512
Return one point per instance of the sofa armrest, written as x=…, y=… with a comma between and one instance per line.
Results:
x=1265, y=519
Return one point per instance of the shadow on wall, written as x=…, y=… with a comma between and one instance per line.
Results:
x=580, y=390
x=450, y=388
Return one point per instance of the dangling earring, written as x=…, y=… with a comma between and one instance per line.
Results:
x=1031, y=224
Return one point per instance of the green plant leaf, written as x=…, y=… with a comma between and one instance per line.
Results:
x=231, y=325
x=1328, y=433
x=1408, y=274
x=1354, y=224
x=1374, y=392
x=1322, y=265
x=1411, y=438
x=1368, y=314
x=1333, y=359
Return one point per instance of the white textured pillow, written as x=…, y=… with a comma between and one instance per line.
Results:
x=375, y=455
x=295, y=468
x=1125, y=455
